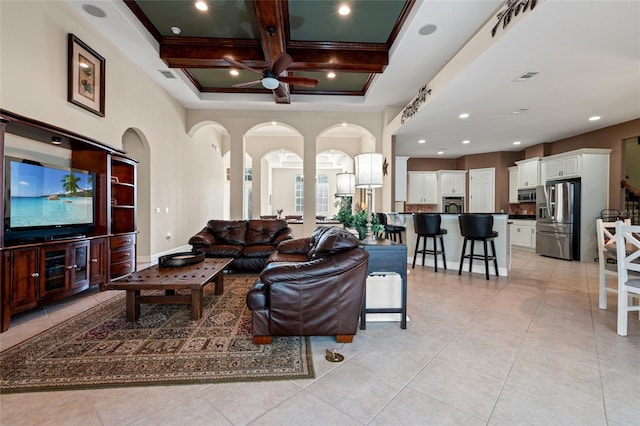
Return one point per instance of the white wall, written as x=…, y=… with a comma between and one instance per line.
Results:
x=33, y=83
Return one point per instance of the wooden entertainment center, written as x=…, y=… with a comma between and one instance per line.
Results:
x=34, y=273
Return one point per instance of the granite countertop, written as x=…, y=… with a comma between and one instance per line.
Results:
x=523, y=216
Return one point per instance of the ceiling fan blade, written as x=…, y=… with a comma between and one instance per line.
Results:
x=250, y=83
x=300, y=81
x=241, y=65
x=281, y=63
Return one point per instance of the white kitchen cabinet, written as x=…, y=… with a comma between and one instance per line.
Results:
x=513, y=185
x=423, y=188
x=533, y=234
x=521, y=235
x=562, y=167
x=453, y=182
x=528, y=173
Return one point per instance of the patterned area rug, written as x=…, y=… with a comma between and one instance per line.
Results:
x=98, y=348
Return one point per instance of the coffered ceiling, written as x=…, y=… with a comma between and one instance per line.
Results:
x=354, y=47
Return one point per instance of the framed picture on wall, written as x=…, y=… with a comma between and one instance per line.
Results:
x=85, y=77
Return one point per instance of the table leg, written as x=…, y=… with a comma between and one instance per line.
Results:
x=403, y=320
x=219, y=280
x=196, y=304
x=133, y=305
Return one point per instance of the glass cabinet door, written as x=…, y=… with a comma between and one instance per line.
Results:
x=54, y=270
x=80, y=264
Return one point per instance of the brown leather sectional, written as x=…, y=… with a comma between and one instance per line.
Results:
x=248, y=242
x=311, y=286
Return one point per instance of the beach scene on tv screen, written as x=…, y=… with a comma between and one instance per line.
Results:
x=44, y=196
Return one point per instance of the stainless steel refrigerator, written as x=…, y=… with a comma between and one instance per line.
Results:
x=558, y=219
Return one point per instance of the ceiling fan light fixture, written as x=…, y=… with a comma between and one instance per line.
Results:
x=270, y=83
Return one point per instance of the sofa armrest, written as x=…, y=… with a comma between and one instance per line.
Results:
x=282, y=235
x=295, y=246
x=203, y=238
x=321, y=268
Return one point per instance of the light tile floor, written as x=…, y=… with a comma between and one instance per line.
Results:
x=530, y=349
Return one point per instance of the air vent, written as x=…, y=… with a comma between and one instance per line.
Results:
x=167, y=74
x=526, y=76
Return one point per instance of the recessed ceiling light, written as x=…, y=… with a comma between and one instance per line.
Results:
x=344, y=10
x=176, y=30
x=201, y=5
x=427, y=29
x=466, y=141
x=440, y=152
x=56, y=140
x=273, y=123
x=234, y=73
x=331, y=74
x=464, y=115
x=516, y=143
x=344, y=124
x=422, y=141
x=594, y=118
x=94, y=10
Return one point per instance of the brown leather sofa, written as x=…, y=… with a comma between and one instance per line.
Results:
x=248, y=242
x=311, y=287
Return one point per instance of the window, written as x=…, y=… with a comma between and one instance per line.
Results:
x=322, y=194
x=299, y=191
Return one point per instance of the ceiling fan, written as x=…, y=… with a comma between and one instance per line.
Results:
x=271, y=78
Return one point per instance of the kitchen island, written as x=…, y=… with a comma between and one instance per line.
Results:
x=453, y=243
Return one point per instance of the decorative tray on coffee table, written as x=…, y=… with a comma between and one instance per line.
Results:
x=180, y=259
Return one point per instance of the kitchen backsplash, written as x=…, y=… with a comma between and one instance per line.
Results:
x=421, y=208
x=522, y=208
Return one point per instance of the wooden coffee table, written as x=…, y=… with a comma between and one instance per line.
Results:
x=190, y=277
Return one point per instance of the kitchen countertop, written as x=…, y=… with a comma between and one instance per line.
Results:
x=523, y=216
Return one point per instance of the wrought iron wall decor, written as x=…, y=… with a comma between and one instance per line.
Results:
x=413, y=107
x=514, y=7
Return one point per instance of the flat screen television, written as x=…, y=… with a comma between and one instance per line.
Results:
x=44, y=202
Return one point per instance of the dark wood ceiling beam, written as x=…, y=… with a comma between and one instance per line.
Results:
x=197, y=52
x=182, y=52
x=269, y=14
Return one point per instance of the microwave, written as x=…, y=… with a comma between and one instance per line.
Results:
x=527, y=195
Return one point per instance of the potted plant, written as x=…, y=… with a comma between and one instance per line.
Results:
x=356, y=220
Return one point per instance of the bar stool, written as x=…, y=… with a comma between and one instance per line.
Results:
x=390, y=231
x=478, y=227
x=426, y=226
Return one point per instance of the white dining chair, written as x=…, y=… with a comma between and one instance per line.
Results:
x=606, y=267
x=628, y=256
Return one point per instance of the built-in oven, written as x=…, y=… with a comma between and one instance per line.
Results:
x=453, y=205
x=527, y=195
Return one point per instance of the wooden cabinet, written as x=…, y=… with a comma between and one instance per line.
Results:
x=123, y=194
x=42, y=271
x=123, y=255
x=64, y=269
x=562, y=167
x=98, y=261
x=423, y=188
x=453, y=182
x=513, y=185
x=21, y=279
x=528, y=173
